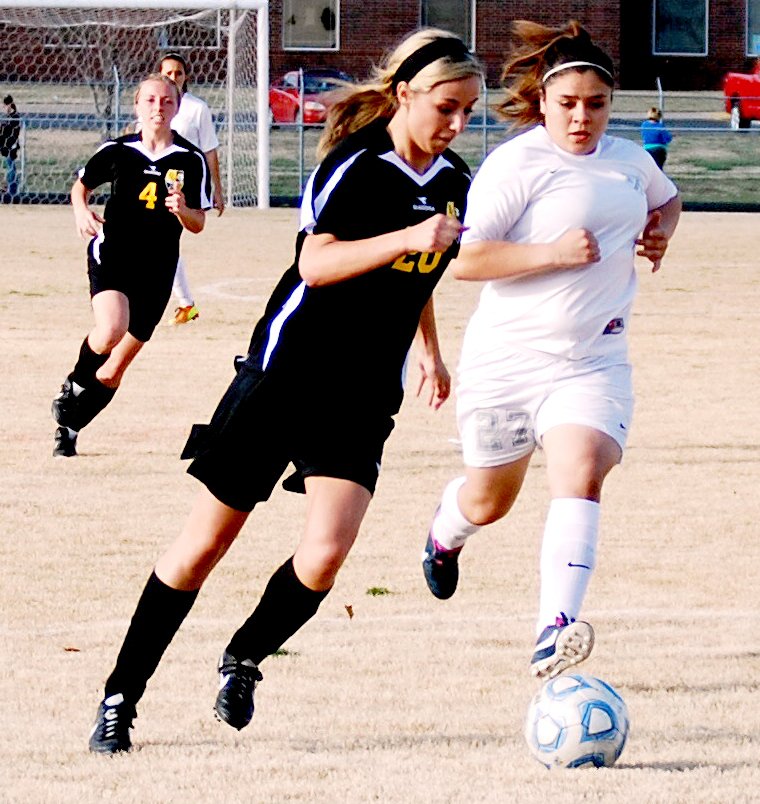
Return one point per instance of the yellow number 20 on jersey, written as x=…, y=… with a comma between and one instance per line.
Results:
x=425, y=262
x=148, y=195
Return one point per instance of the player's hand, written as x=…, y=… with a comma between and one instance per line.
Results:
x=435, y=381
x=575, y=248
x=219, y=204
x=653, y=241
x=175, y=202
x=88, y=223
x=436, y=233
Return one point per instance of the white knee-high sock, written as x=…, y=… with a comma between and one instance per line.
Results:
x=450, y=527
x=181, y=287
x=568, y=558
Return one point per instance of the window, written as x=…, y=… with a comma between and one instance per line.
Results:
x=310, y=24
x=680, y=28
x=451, y=15
x=753, y=27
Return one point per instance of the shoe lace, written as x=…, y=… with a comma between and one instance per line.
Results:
x=244, y=677
x=115, y=722
x=442, y=555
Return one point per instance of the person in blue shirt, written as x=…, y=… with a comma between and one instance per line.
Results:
x=656, y=137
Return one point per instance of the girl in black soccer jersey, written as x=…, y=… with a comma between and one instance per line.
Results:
x=322, y=379
x=159, y=186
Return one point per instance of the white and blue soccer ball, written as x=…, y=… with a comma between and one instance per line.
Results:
x=576, y=721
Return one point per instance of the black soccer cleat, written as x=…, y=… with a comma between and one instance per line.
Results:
x=64, y=402
x=65, y=443
x=237, y=682
x=110, y=734
x=441, y=568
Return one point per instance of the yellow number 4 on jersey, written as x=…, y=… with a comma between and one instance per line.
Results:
x=148, y=195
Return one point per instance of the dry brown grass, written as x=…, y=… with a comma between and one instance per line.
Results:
x=412, y=700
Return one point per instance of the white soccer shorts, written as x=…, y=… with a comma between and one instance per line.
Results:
x=503, y=418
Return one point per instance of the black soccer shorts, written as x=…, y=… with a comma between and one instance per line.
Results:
x=262, y=424
x=148, y=287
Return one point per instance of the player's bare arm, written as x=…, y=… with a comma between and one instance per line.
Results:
x=326, y=260
x=492, y=259
x=87, y=221
x=659, y=229
x=433, y=372
x=192, y=219
x=212, y=158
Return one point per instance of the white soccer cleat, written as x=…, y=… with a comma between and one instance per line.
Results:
x=562, y=645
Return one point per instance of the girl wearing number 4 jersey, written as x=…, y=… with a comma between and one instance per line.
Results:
x=554, y=217
x=323, y=376
x=159, y=187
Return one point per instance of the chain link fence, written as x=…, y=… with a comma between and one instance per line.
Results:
x=714, y=166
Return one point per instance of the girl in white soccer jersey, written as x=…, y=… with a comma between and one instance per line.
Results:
x=553, y=220
x=159, y=188
x=323, y=376
x=193, y=121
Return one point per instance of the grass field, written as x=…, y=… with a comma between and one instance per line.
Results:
x=412, y=699
x=716, y=166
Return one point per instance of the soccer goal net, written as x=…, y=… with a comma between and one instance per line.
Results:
x=71, y=69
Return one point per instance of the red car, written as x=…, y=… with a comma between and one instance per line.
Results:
x=741, y=94
x=321, y=88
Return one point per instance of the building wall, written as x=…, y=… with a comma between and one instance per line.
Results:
x=494, y=18
x=622, y=27
x=726, y=47
x=368, y=29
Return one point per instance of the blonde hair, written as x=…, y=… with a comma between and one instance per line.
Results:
x=376, y=98
x=162, y=79
x=536, y=51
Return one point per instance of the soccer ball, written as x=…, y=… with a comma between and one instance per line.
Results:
x=576, y=721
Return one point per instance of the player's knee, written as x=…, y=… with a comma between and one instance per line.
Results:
x=582, y=478
x=106, y=337
x=321, y=564
x=484, y=507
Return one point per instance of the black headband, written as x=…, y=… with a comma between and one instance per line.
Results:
x=427, y=54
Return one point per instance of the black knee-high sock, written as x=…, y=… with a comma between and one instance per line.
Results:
x=159, y=614
x=284, y=607
x=82, y=409
x=87, y=364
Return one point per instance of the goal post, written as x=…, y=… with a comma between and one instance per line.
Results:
x=72, y=67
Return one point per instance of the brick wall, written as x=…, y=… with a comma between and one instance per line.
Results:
x=726, y=46
x=621, y=27
x=369, y=28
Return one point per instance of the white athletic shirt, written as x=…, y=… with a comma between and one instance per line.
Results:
x=528, y=190
x=193, y=121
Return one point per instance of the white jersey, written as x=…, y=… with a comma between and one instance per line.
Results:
x=529, y=190
x=193, y=122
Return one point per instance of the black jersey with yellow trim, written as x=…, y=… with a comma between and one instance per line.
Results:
x=353, y=336
x=135, y=213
